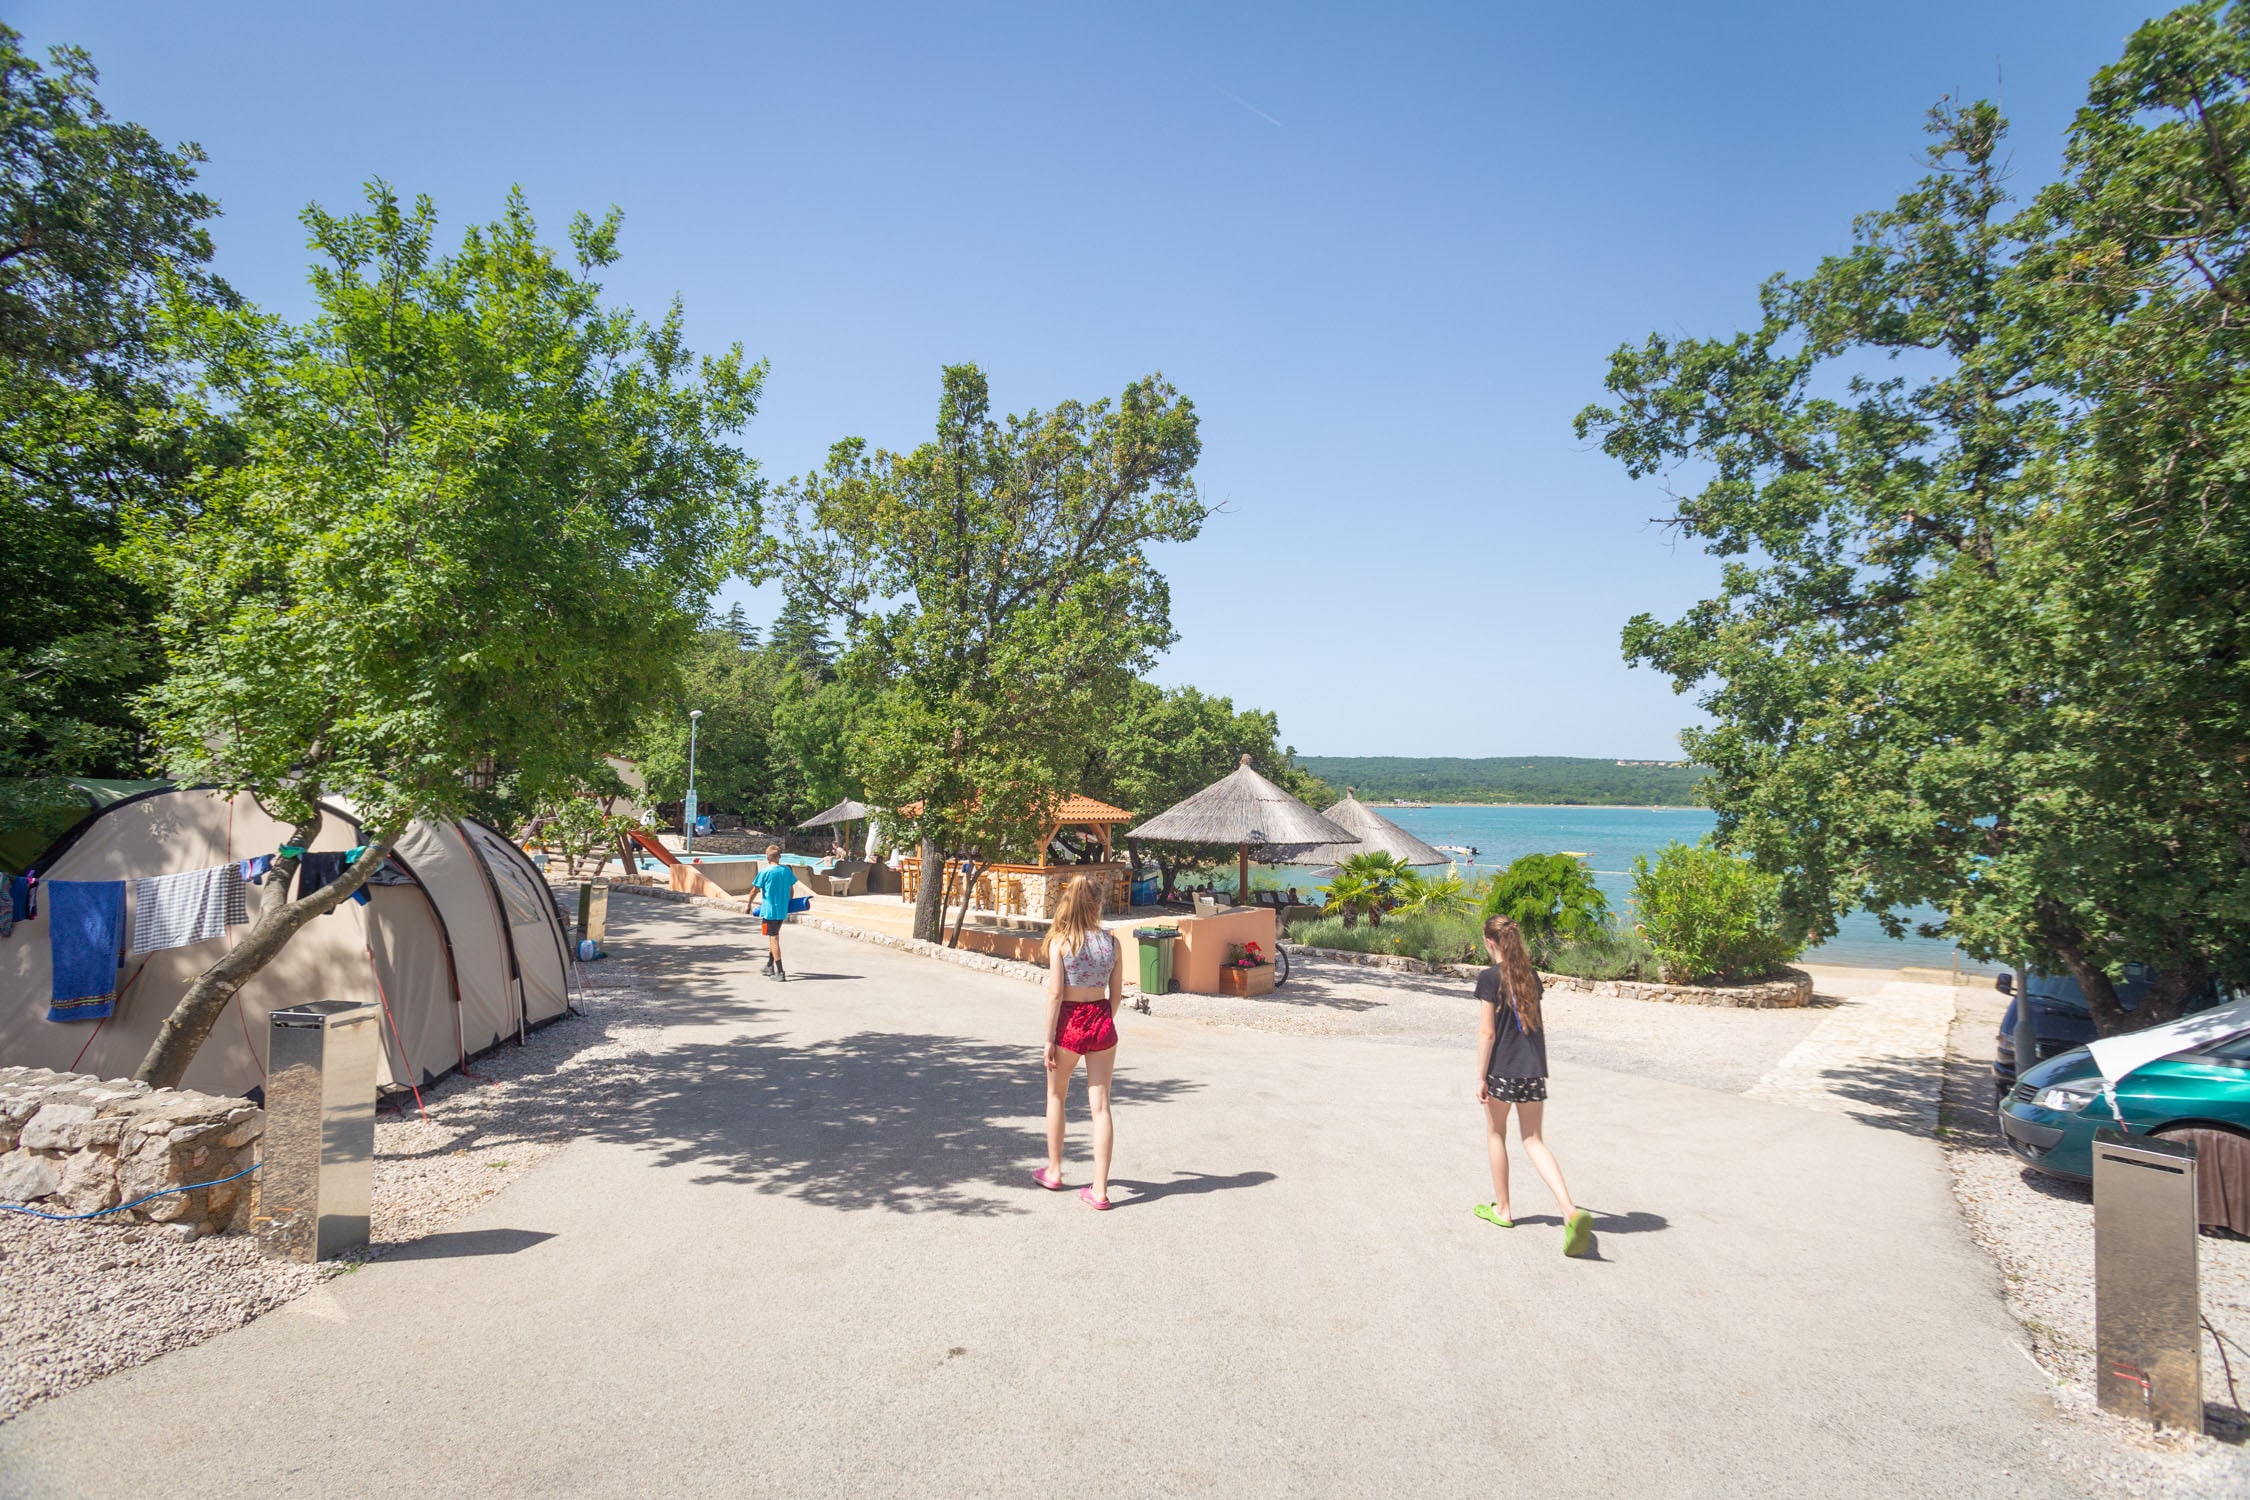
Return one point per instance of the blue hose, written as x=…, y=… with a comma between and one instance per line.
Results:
x=136, y=1203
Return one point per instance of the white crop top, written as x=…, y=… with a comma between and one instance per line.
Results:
x=1092, y=963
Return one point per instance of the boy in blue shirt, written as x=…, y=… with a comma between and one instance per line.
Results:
x=776, y=884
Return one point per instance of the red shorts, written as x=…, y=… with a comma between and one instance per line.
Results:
x=1086, y=1026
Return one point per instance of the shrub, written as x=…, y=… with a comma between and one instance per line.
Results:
x=1710, y=915
x=1610, y=951
x=1548, y=895
x=1442, y=939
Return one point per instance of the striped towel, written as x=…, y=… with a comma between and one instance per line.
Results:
x=172, y=911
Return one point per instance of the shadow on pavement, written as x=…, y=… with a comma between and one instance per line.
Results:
x=453, y=1243
x=1890, y=1095
x=1184, y=1184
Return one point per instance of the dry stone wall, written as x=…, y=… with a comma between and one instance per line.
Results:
x=71, y=1144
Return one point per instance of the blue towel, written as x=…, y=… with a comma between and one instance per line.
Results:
x=85, y=937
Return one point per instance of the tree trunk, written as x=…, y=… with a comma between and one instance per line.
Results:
x=2165, y=1000
x=968, y=889
x=929, y=902
x=183, y=1033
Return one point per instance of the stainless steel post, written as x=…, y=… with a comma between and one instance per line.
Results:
x=316, y=1180
x=2148, y=1308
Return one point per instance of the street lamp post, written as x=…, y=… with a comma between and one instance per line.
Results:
x=693, y=715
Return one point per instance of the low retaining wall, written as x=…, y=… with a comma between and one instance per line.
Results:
x=75, y=1144
x=1793, y=989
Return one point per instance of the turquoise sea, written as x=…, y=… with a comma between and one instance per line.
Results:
x=1609, y=837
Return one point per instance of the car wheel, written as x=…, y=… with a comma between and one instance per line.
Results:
x=2222, y=1174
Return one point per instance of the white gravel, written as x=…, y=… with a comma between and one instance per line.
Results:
x=2040, y=1230
x=80, y=1301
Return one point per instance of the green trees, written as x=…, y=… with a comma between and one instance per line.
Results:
x=998, y=599
x=1710, y=915
x=98, y=222
x=1162, y=745
x=471, y=519
x=1978, y=641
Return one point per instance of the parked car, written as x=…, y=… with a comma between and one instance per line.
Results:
x=2061, y=1016
x=2050, y=1116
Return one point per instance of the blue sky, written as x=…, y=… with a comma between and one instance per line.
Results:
x=1386, y=251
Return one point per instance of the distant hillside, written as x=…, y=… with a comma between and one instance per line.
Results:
x=1553, y=779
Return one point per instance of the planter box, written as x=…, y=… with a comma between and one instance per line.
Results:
x=1246, y=983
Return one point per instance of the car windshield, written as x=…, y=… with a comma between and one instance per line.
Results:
x=2233, y=1049
x=2063, y=989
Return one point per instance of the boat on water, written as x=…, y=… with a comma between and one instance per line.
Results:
x=1467, y=852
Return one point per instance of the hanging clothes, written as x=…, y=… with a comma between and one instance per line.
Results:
x=320, y=868
x=254, y=870
x=85, y=940
x=22, y=903
x=172, y=911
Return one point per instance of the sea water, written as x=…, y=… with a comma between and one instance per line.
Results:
x=1609, y=838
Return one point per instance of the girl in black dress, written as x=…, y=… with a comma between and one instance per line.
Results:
x=1512, y=1074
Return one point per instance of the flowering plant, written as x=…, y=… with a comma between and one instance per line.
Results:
x=1250, y=956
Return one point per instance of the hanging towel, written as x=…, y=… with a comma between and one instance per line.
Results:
x=85, y=937
x=172, y=911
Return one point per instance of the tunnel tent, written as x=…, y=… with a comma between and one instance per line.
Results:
x=458, y=958
x=532, y=926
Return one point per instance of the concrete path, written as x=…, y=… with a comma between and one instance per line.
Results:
x=1878, y=1056
x=803, y=1257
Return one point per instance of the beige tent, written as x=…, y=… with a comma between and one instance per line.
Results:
x=466, y=952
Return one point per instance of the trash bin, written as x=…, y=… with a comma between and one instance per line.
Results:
x=317, y=1162
x=1156, y=958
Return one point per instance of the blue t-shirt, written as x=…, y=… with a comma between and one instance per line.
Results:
x=777, y=883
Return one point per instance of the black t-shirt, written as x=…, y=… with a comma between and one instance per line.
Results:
x=1516, y=1053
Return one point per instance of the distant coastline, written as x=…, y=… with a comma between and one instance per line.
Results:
x=1510, y=781
x=1589, y=806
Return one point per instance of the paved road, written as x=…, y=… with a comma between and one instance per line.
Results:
x=808, y=1261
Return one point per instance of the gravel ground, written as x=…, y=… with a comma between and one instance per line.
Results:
x=2041, y=1232
x=80, y=1301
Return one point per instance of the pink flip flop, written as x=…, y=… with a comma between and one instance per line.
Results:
x=1048, y=1180
x=1086, y=1196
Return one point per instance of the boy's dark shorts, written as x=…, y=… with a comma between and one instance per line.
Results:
x=773, y=928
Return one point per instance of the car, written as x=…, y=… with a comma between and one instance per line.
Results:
x=2062, y=1018
x=2049, y=1117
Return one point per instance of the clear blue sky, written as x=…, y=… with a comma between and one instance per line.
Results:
x=1385, y=249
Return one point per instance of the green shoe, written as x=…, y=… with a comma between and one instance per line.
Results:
x=1489, y=1212
x=1578, y=1233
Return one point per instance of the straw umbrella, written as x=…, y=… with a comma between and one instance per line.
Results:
x=844, y=814
x=1247, y=811
x=1376, y=834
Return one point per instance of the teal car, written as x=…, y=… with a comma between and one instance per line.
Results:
x=2050, y=1116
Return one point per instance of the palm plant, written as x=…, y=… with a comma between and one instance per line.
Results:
x=1432, y=895
x=1350, y=895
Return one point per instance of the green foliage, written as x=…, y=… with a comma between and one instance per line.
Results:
x=1442, y=939
x=1163, y=745
x=1367, y=885
x=1559, y=780
x=1979, y=641
x=97, y=220
x=1710, y=915
x=998, y=597
x=582, y=829
x=1444, y=895
x=475, y=518
x=1607, y=950
x=1547, y=895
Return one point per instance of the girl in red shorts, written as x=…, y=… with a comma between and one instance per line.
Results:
x=1085, y=982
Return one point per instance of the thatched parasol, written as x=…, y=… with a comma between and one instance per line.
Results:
x=1377, y=835
x=1247, y=811
x=846, y=811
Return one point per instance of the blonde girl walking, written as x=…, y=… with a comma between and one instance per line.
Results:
x=1512, y=1075
x=1085, y=982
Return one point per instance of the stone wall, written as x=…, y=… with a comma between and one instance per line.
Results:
x=70, y=1144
